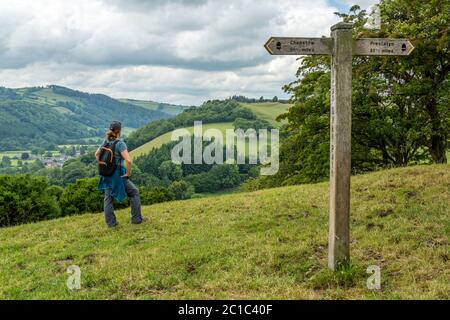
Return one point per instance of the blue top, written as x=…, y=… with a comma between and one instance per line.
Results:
x=116, y=183
x=120, y=146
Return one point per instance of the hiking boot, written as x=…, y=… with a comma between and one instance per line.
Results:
x=142, y=220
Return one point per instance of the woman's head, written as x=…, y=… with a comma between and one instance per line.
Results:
x=114, y=130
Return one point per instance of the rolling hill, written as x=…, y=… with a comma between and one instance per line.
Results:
x=168, y=108
x=43, y=116
x=267, y=111
x=269, y=244
x=165, y=138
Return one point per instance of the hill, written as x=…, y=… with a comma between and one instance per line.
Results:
x=266, y=111
x=45, y=116
x=266, y=244
x=212, y=111
x=168, y=108
x=165, y=138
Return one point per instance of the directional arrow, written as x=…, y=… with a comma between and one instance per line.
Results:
x=298, y=46
x=382, y=47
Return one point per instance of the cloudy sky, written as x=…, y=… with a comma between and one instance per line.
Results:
x=178, y=51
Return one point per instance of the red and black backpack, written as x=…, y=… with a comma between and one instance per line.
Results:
x=107, y=159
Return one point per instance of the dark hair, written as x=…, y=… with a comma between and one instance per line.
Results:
x=112, y=134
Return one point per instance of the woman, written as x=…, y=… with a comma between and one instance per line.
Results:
x=118, y=186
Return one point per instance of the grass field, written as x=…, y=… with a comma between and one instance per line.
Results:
x=268, y=110
x=167, y=108
x=18, y=154
x=165, y=138
x=13, y=154
x=266, y=244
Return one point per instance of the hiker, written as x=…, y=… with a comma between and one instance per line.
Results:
x=115, y=180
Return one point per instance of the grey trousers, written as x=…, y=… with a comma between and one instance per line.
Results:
x=135, y=202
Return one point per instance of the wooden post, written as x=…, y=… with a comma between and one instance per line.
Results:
x=340, y=146
x=341, y=47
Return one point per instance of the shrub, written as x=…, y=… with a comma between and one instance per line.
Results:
x=203, y=182
x=24, y=199
x=156, y=195
x=81, y=196
x=182, y=189
x=55, y=191
x=227, y=175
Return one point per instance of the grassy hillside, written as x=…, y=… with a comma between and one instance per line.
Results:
x=266, y=244
x=47, y=116
x=165, y=138
x=171, y=109
x=268, y=110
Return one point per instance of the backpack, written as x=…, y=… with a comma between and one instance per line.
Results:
x=107, y=159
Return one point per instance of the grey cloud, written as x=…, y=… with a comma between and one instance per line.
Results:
x=148, y=4
x=174, y=51
x=146, y=38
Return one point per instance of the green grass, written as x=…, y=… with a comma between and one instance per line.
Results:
x=12, y=154
x=18, y=154
x=165, y=138
x=268, y=110
x=266, y=244
x=151, y=105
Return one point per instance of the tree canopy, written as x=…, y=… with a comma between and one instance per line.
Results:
x=400, y=105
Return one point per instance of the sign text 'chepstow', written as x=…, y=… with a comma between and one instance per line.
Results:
x=342, y=47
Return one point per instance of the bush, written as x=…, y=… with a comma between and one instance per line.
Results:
x=203, y=182
x=227, y=175
x=24, y=199
x=81, y=196
x=169, y=171
x=157, y=195
x=182, y=189
x=256, y=124
x=55, y=191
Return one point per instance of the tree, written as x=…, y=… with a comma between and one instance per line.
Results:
x=181, y=189
x=226, y=175
x=421, y=82
x=156, y=195
x=72, y=151
x=24, y=199
x=83, y=150
x=275, y=99
x=81, y=196
x=169, y=171
x=25, y=156
x=400, y=104
x=6, y=162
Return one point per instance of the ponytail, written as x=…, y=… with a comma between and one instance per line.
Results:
x=112, y=135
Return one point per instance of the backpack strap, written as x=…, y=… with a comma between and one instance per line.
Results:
x=114, y=150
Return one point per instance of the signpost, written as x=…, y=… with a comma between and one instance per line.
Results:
x=298, y=46
x=382, y=47
x=342, y=48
